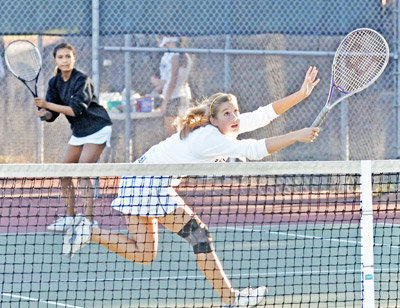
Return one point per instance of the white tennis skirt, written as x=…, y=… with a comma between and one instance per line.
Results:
x=147, y=196
x=99, y=137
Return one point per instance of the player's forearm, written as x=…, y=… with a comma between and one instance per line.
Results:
x=277, y=143
x=307, y=134
x=60, y=109
x=284, y=104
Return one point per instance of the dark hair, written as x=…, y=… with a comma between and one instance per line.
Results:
x=62, y=46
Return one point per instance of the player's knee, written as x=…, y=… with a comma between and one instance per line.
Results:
x=198, y=236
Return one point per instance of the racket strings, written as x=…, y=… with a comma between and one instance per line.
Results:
x=23, y=60
x=360, y=60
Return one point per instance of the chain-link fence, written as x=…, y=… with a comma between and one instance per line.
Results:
x=257, y=50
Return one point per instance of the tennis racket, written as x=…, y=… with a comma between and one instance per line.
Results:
x=24, y=61
x=360, y=59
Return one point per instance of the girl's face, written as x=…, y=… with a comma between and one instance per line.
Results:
x=227, y=118
x=65, y=60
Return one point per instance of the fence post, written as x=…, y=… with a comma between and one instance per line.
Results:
x=127, y=98
x=397, y=77
x=40, y=140
x=96, y=46
x=227, y=65
x=344, y=131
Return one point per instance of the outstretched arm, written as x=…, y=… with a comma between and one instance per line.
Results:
x=277, y=143
x=307, y=87
x=209, y=143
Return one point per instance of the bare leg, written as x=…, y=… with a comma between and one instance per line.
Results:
x=209, y=263
x=71, y=155
x=90, y=154
x=142, y=244
x=68, y=193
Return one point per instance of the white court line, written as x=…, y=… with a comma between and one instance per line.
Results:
x=241, y=228
x=194, y=277
x=299, y=235
x=257, y=275
x=31, y=299
x=383, y=224
x=247, y=229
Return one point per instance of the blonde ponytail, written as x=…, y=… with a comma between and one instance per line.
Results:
x=199, y=115
x=194, y=118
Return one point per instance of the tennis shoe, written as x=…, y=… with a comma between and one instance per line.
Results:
x=61, y=224
x=67, y=244
x=77, y=236
x=250, y=297
x=64, y=222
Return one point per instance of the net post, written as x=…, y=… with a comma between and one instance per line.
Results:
x=367, y=236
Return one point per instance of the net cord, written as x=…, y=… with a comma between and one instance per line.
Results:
x=367, y=236
x=216, y=169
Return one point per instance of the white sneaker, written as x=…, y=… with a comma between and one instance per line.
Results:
x=95, y=224
x=250, y=297
x=61, y=224
x=64, y=222
x=77, y=236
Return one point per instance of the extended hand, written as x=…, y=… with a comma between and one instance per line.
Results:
x=307, y=134
x=310, y=81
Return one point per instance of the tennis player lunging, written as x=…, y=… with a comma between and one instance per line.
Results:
x=206, y=133
x=71, y=93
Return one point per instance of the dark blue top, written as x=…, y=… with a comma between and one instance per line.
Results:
x=78, y=93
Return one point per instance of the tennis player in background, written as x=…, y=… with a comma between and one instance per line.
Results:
x=206, y=133
x=71, y=93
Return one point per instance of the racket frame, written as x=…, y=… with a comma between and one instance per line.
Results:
x=328, y=106
x=24, y=81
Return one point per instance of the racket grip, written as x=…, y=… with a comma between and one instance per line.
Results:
x=321, y=116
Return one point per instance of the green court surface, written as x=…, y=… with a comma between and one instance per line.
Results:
x=303, y=266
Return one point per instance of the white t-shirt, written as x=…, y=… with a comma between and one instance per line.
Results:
x=155, y=196
x=182, y=88
x=208, y=144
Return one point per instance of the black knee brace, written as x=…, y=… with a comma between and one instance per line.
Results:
x=198, y=236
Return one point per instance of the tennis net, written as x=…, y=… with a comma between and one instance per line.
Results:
x=317, y=234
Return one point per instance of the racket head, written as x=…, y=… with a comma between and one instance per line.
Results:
x=23, y=59
x=360, y=60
